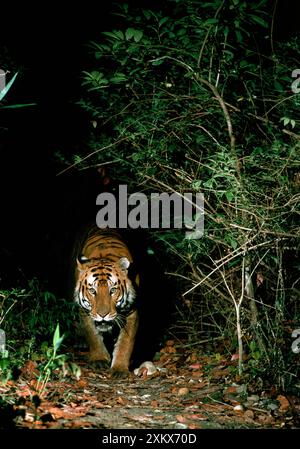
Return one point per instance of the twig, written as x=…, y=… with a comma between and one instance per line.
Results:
x=228, y=259
x=215, y=91
x=92, y=154
x=272, y=27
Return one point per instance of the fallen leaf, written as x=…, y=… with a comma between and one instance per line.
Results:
x=197, y=374
x=29, y=369
x=197, y=416
x=230, y=390
x=181, y=419
x=67, y=412
x=99, y=405
x=183, y=391
x=193, y=358
x=284, y=403
x=121, y=400
x=218, y=373
x=80, y=384
x=196, y=366
x=24, y=391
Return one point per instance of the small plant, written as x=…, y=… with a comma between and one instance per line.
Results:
x=4, y=91
x=54, y=361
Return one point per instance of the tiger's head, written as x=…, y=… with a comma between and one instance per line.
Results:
x=104, y=291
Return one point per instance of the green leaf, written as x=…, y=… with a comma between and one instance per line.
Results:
x=137, y=35
x=163, y=20
x=233, y=242
x=157, y=62
x=210, y=22
x=116, y=34
x=278, y=86
x=56, y=335
x=239, y=36
x=129, y=33
x=229, y=196
x=259, y=20
x=118, y=78
x=8, y=86
x=57, y=339
x=18, y=106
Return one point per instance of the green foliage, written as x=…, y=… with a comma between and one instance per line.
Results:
x=29, y=317
x=8, y=86
x=36, y=310
x=196, y=97
x=4, y=92
x=53, y=362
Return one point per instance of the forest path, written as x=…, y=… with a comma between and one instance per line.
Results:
x=188, y=390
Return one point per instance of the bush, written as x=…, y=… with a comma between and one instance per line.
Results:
x=196, y=97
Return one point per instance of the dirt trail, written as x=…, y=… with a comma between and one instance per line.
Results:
x=188, y=390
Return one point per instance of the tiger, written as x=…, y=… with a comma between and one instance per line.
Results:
x=107, y=298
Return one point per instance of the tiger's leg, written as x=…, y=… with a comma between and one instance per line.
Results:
x=98, y=351
x=124, y=346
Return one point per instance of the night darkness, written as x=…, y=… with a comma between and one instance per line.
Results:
x=49, y=45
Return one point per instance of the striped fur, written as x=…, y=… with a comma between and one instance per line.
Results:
x=106, y=296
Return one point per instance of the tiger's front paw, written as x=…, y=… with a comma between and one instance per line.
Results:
x=99, y=365
x=118, y=373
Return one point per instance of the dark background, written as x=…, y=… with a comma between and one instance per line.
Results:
x=40, y=210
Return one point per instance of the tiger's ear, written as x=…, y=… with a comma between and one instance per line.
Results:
x=81, y=261
x=124, y=263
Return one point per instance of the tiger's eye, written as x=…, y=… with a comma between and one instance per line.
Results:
x=113, y=290
x=92, y=291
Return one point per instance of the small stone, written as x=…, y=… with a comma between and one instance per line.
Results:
x=180, y=425
x=183, y=391
x=238, y=408
x=146, y=369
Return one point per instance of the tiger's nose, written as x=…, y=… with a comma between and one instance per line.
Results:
x=102, y=317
